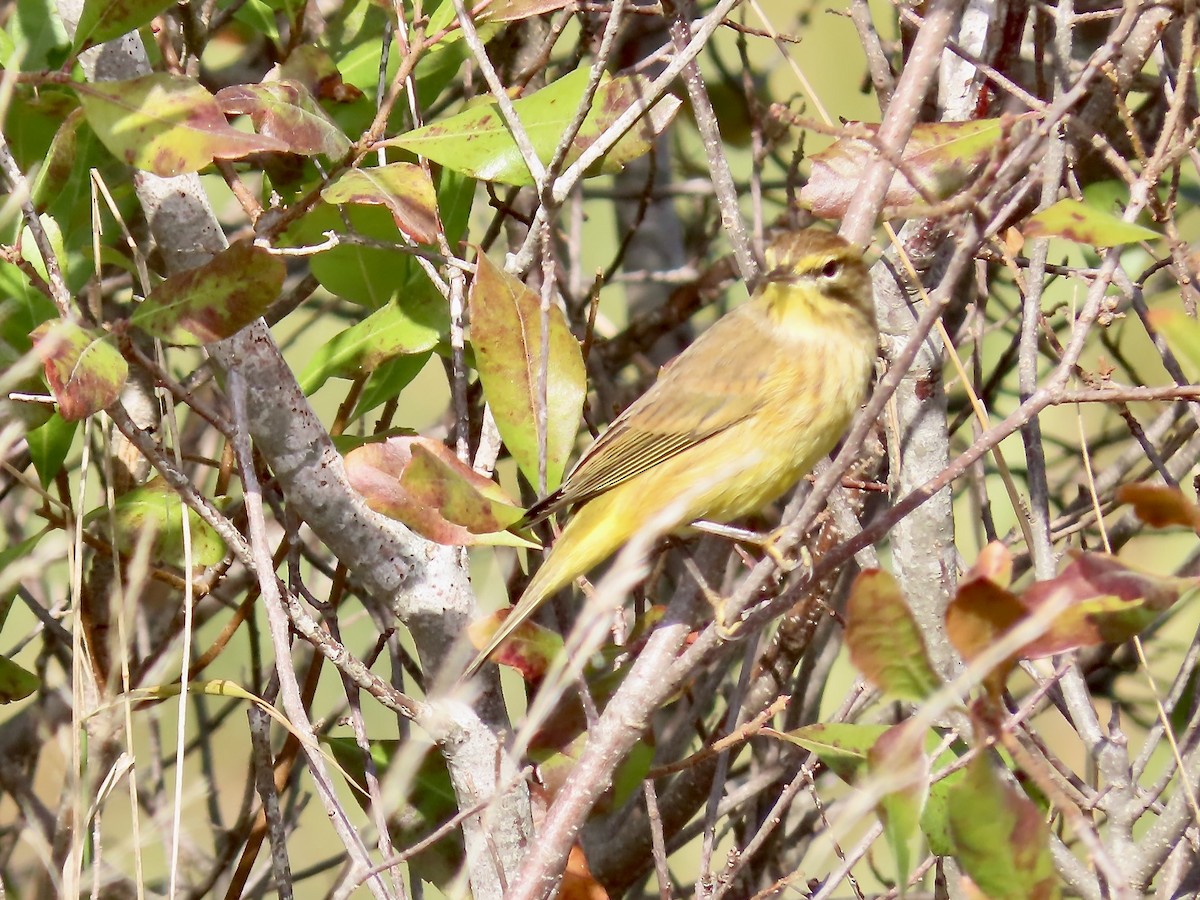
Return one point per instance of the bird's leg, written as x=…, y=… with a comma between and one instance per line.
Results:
x=769, y=542
x=715, y=600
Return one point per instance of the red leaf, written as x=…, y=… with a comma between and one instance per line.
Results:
x=84, y=371
x=421, y=483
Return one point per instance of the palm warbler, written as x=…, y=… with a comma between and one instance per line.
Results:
x=733, y=421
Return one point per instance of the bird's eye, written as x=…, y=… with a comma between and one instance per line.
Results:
x=832, y=269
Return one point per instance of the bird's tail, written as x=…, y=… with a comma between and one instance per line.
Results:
x=592, y=536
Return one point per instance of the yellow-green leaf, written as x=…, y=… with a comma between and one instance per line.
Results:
x=506, y=333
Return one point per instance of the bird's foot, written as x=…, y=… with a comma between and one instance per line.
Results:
x=800, y=558
x=769, y=542
x=724, y=631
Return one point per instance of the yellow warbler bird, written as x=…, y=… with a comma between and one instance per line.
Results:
x=733, y=421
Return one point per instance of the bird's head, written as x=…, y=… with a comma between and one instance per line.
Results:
x=815, y=273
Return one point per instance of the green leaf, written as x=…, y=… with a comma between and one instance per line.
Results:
x=60, y=159
x=440, y=66
x=1182, y=334
x=49, y=445
x=21, y=374
x=421, y=483
x=455, y=197
x=630, y=776
x=84, y=371
x=884, y=641
x=165, y=124
x=213, y=301
x=842, y=746
x=38, y=34
x=1077, y=221
x=22, y=309
x=935, y=819
x=898, y=759
x=103, y=20
x=396, y=330
x=445, y=15
x=260, y=16
x=286, y=111
x=1000, y=838
x=32, y=253
x=370, y=276
x=388, y=380
x=403, y=188
x=156, y=509
x=15, y=682
x=6, y=49
x=11, y=572
x=506, y=334
x=478, y=143
x=63, y=185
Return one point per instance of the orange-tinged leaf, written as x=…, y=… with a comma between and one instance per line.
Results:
x=1159, y=505
x=506, y=334
x=314, y=68
x=980, y=613
x=84, y=371
x=421, y=483
x=1097, y=598
x=1105, y=602
x=1092, y=621
x=995, y=563
x=165, y=124
x=578, y=883
x=1000, y=837
x=530, y=650
x=942, y=157
x=213, y=301
x=405, y=189
x=486, y=12
x=884, y=642
x=286, y=111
